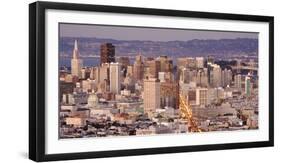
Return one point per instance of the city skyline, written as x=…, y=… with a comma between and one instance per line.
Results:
x=138, y=94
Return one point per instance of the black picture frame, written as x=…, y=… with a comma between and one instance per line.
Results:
x=37, y=80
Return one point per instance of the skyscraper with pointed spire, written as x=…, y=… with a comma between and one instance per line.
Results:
x=76, y=63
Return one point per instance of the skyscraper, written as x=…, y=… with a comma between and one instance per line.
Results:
x=92, y=73
x=169, y=94
x=238, y=81
x=202, y=77
x=151, y=97
x=210, y=59
x=153, y=68
x=199, y=62
x=130, y=71
x=201, y=96
x=138, y=68
x=102, y=72
x=166, y=64
x=226, y=77
x=115, y=75
x=185, y=75
x=93, y=100
x=124, y=62
x=107, y=53
x=247, y=86
x=76, y=63
x=215, y=75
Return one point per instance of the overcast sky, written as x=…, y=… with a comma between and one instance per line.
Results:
x=140, y=33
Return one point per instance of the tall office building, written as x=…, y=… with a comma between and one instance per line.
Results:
x=192, y=96
x=216, y=76
x=186, y=62
x=238, y=81
x=238, y=65
x=107, y=53
x=83, y=73
x=115, y=78
x=161, y=76
x=191, y=62
x=88, y=85
x=130, y=71
x=226, y=77
x=201, y=96
x=76, y=63
x=169, y=94
x=154, y=68
x=93, y=100
x=199, y=62
x=102, y=73
x=92, y=73
x=124, y=62
x=185, y=75
x=181, y=63
x=248, y=86
x=138, y=68
x=210, y=59
x=166, y=64
x=202, y=78
x=209, y=70
x=151, y=95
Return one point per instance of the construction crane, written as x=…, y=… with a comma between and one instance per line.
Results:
x=186, y=113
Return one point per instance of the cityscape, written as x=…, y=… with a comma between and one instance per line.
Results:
x=143, y=92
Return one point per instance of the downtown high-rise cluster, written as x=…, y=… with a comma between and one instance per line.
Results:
x=118, y=97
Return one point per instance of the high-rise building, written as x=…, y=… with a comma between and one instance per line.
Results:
x=161, y=76
x=151, y=95
x=201, y=96
x=115, y=78
x=209, y=70
x=199, y=62
x=169, y=94
x=93, y=100
x=153, y=68
x=166, y=77
x=192, y=96
x=238, y=81
x=124, y=62
x=181, y=63
x=130, y=71
x=191, y=62
x=215, y=76
x=202, y=77
x=210, y=59
x=83, y=73
x=199, y=76
x=88, y=85
x=102, y=72
x=76, y=63
x=103, y=86
x=166, y=64
x=238, y=65
x=138, y=68
x=226, y=77
x=248, y=86
x=107, y=53
x=92, y=73
x=186, y=62
x=185, y=75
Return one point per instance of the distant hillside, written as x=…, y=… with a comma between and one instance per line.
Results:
x=91, y=46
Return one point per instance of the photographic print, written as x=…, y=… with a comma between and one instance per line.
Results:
x=111, y=81
x=132, y=81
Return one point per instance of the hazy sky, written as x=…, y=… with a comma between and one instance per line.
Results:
x=140, y=33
